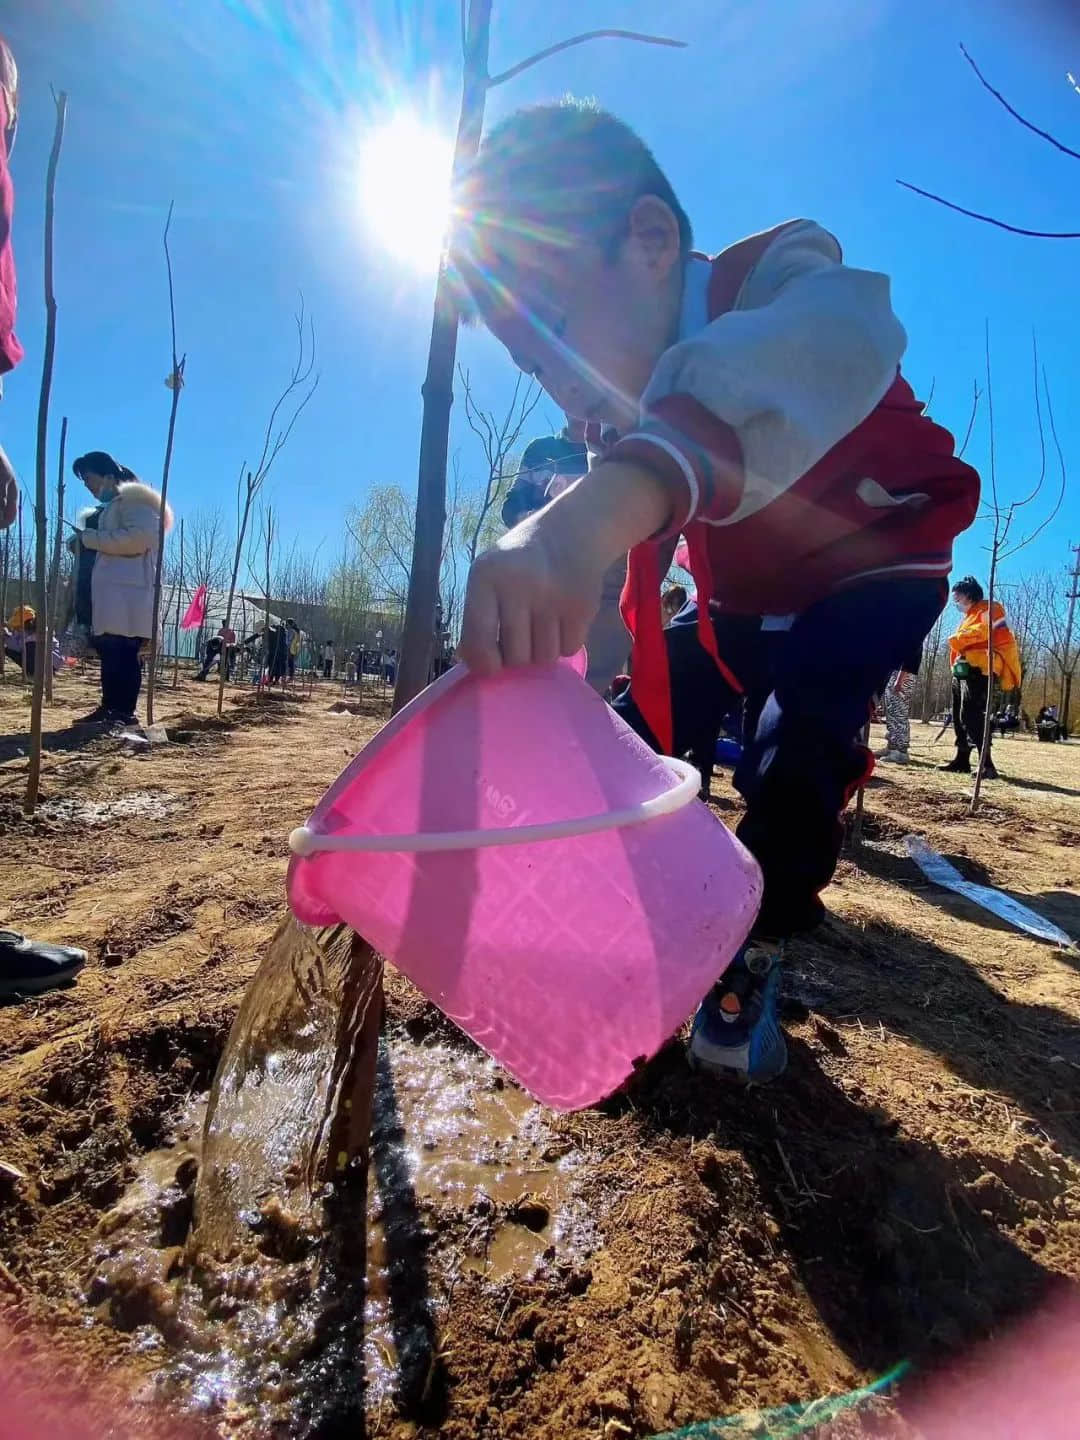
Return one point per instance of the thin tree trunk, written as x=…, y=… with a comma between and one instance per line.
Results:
x=1066, y=703
x=267, y=657
x=22, y=588
x=176, y=380
x=57, y=556
x=984, y=743
x=3, y=596
x=1066, y=649
x=417, y=640
x=857, y=822
x=43, y=649
x=176, y=629
x=232, y=587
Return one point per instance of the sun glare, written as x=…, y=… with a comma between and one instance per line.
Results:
x=405, y=189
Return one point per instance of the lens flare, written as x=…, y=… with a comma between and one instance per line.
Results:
x=405, y=189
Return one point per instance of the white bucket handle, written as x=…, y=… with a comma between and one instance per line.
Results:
x=305, y=841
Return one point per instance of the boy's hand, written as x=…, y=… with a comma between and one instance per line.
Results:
x=532, y=597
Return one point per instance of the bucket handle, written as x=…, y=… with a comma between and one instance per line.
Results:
x=305, y=841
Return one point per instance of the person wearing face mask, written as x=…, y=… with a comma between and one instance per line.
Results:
x=549, y=465
x=968, y=651
x=124, y=546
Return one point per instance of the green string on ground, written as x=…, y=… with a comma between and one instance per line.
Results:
x=786, y=1420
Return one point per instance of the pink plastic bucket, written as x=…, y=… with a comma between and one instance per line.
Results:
x=550, y=883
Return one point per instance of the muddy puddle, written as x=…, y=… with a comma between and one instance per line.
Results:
x=289, y=1331
x=136, y=805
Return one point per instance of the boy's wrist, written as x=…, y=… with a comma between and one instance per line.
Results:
x=617, y=506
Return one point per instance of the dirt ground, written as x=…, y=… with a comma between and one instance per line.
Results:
x=910, y=1186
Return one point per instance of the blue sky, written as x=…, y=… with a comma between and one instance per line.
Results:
x=248, y=114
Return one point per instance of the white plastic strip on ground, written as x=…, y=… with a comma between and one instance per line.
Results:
x=936, y=868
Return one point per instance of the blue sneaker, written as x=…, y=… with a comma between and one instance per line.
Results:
x=736, y=1032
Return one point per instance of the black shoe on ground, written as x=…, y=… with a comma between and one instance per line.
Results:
x=27, y=967
x=100, y=716
x=958, y=765
x=989, y=770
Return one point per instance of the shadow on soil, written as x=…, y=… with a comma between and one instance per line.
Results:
x=1020, y=783
x=1062, y=907
x=933, y=997
x=899, y=1245
x=17, y=745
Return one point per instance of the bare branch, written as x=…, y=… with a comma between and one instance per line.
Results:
x=273, y=443
x=971, y=419
x=168, y=268
x=580, y=40
x=989, y=219
x=990, y=418
x=1019, y=504
x=1021, y=544
x=1043, y=134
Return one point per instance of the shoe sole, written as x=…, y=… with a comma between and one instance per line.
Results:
x=15, y=988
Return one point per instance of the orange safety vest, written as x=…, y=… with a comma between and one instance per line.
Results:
x=969, y=643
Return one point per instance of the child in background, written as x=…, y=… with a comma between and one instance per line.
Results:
x=541, y=461
x=762, y=414
x=548, y=466
x=20, y=637
x=292, y=635
x=672, y=602
x=896, y=702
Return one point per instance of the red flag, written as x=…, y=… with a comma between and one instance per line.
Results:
x=196, y=611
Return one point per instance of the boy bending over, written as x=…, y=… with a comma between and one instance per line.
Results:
x=762, y=414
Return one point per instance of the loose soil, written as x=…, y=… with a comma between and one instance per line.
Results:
x=683, y=1252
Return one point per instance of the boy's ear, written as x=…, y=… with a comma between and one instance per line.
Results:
x=654, y=233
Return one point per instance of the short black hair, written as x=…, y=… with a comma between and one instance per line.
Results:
x=549, y=177
x=970, y=588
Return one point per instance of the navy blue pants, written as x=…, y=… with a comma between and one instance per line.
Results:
x=121, y=672
x=807, y=694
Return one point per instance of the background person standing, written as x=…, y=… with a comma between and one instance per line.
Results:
x=122, y=581
x=968, y=650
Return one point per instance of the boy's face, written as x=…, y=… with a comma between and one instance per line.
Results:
x=591, y=327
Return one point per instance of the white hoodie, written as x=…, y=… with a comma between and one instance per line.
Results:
x=122, y=585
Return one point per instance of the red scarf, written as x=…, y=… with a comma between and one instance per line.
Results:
x=650, y=674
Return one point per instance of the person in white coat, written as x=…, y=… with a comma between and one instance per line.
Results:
x=122, y=582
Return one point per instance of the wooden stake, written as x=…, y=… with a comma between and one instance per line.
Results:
x=57, y=556
x=22, y=584
x=176, y=382
x=4, y=594
x=43, y=656
x=176, y=628
x=856, y=824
